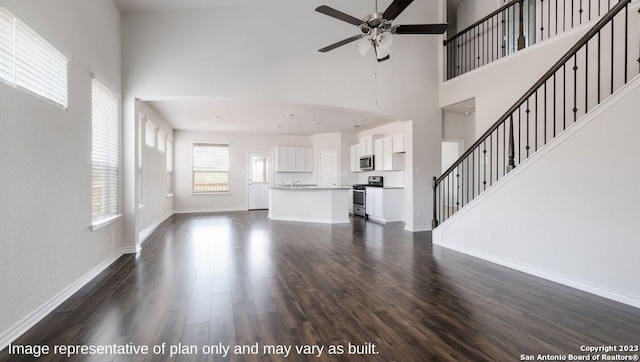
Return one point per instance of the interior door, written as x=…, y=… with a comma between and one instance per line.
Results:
x=260, y=180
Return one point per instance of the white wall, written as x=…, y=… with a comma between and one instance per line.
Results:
x=258, y=51
x=241, y=144
x=46, y=245
x=470, y=11
x=557, y=217
x=156, y=204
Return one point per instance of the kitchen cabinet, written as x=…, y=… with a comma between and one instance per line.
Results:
x=385, y=159
x=378, y=154
x=367, y=145
x=385, y=205
x=294, y=159
x=354, y=158
x=398, y=143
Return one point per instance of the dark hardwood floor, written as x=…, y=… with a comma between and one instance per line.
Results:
x=207, y=281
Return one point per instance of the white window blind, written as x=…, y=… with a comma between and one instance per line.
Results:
x=169, y=155
x=210, y=167
x=104, y=152
x=7, y=59
x=162, y=141
x=30, y=62
x=150, y=134
x=169, y=166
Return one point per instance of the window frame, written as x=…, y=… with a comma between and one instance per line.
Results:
x=46, y=75
x=105, y=155
x=226, y=145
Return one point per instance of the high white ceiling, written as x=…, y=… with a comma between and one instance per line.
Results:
x=243, y=115
x=133, y=6
x=261, y=116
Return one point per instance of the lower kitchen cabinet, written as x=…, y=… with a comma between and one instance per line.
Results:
x=385, y=205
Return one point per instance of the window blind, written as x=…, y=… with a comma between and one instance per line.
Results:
x=169, y=155
x=210, y=167
x=30, y=62
x=104, y=152
x=7, y=32
x=162, y=141
x=150, y=134
x=169, y=166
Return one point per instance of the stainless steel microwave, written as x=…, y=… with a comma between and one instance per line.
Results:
x=366, y=162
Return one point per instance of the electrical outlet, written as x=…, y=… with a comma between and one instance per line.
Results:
x=490, y=236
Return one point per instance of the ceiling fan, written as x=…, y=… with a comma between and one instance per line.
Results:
x=377, y=29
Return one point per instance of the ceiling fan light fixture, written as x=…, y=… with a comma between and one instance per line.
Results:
x=384, y=40
x=364, y=46
x=382, y=54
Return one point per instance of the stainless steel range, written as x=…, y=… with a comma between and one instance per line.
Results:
x=360, y=195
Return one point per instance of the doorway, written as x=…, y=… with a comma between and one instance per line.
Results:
x=260, y=180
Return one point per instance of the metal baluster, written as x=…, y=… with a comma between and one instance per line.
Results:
x=434, y=221
x=545, y=114
x=575, y=87
x=626, y=42
x=612, y=48
x=541, y=20
x=554, y=105
x=564, y=96
x=599, y=75
x=535, y=120
x=512, y=164
x=586, y=77
x=527, y=111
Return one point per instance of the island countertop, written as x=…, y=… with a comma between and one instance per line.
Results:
x=308, y=188
x=329, y=205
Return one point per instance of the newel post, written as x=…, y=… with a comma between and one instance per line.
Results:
x=512, y=149
x=521, y=39
x=434, y=222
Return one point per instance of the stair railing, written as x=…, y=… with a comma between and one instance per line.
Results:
x=514, y=26
x=485, y=40
x=594, y=68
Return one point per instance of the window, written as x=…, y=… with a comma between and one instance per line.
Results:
x=162, y=141
x=150, y=134
x=104, y=153
x=30, y=62
x=210, y=167
x=141, y=127
x=169, y=166
x=259, y=169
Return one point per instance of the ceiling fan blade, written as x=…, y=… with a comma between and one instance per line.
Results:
x=420, y=29
x=341, y=43
x=396, y=7
x=323, y=9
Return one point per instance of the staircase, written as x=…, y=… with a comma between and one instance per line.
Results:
x=601, y=62
x=551, y=189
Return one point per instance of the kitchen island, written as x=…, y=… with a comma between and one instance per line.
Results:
x=327, y=205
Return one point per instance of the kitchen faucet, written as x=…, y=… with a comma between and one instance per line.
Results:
x=293, y=183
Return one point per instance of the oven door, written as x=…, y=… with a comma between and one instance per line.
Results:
x=359, y=203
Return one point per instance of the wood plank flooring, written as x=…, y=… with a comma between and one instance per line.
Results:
x=204, y=282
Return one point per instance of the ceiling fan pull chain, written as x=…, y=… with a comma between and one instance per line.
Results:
x=375, y=84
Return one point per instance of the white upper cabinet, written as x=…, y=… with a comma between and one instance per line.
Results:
x=354, y=158
x=294, y=159
x=398, y=143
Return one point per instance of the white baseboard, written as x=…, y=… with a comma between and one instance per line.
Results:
x=144, y=234
x=37, y=315
x=319, y=221
x=548, y=276
x=197, y=211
